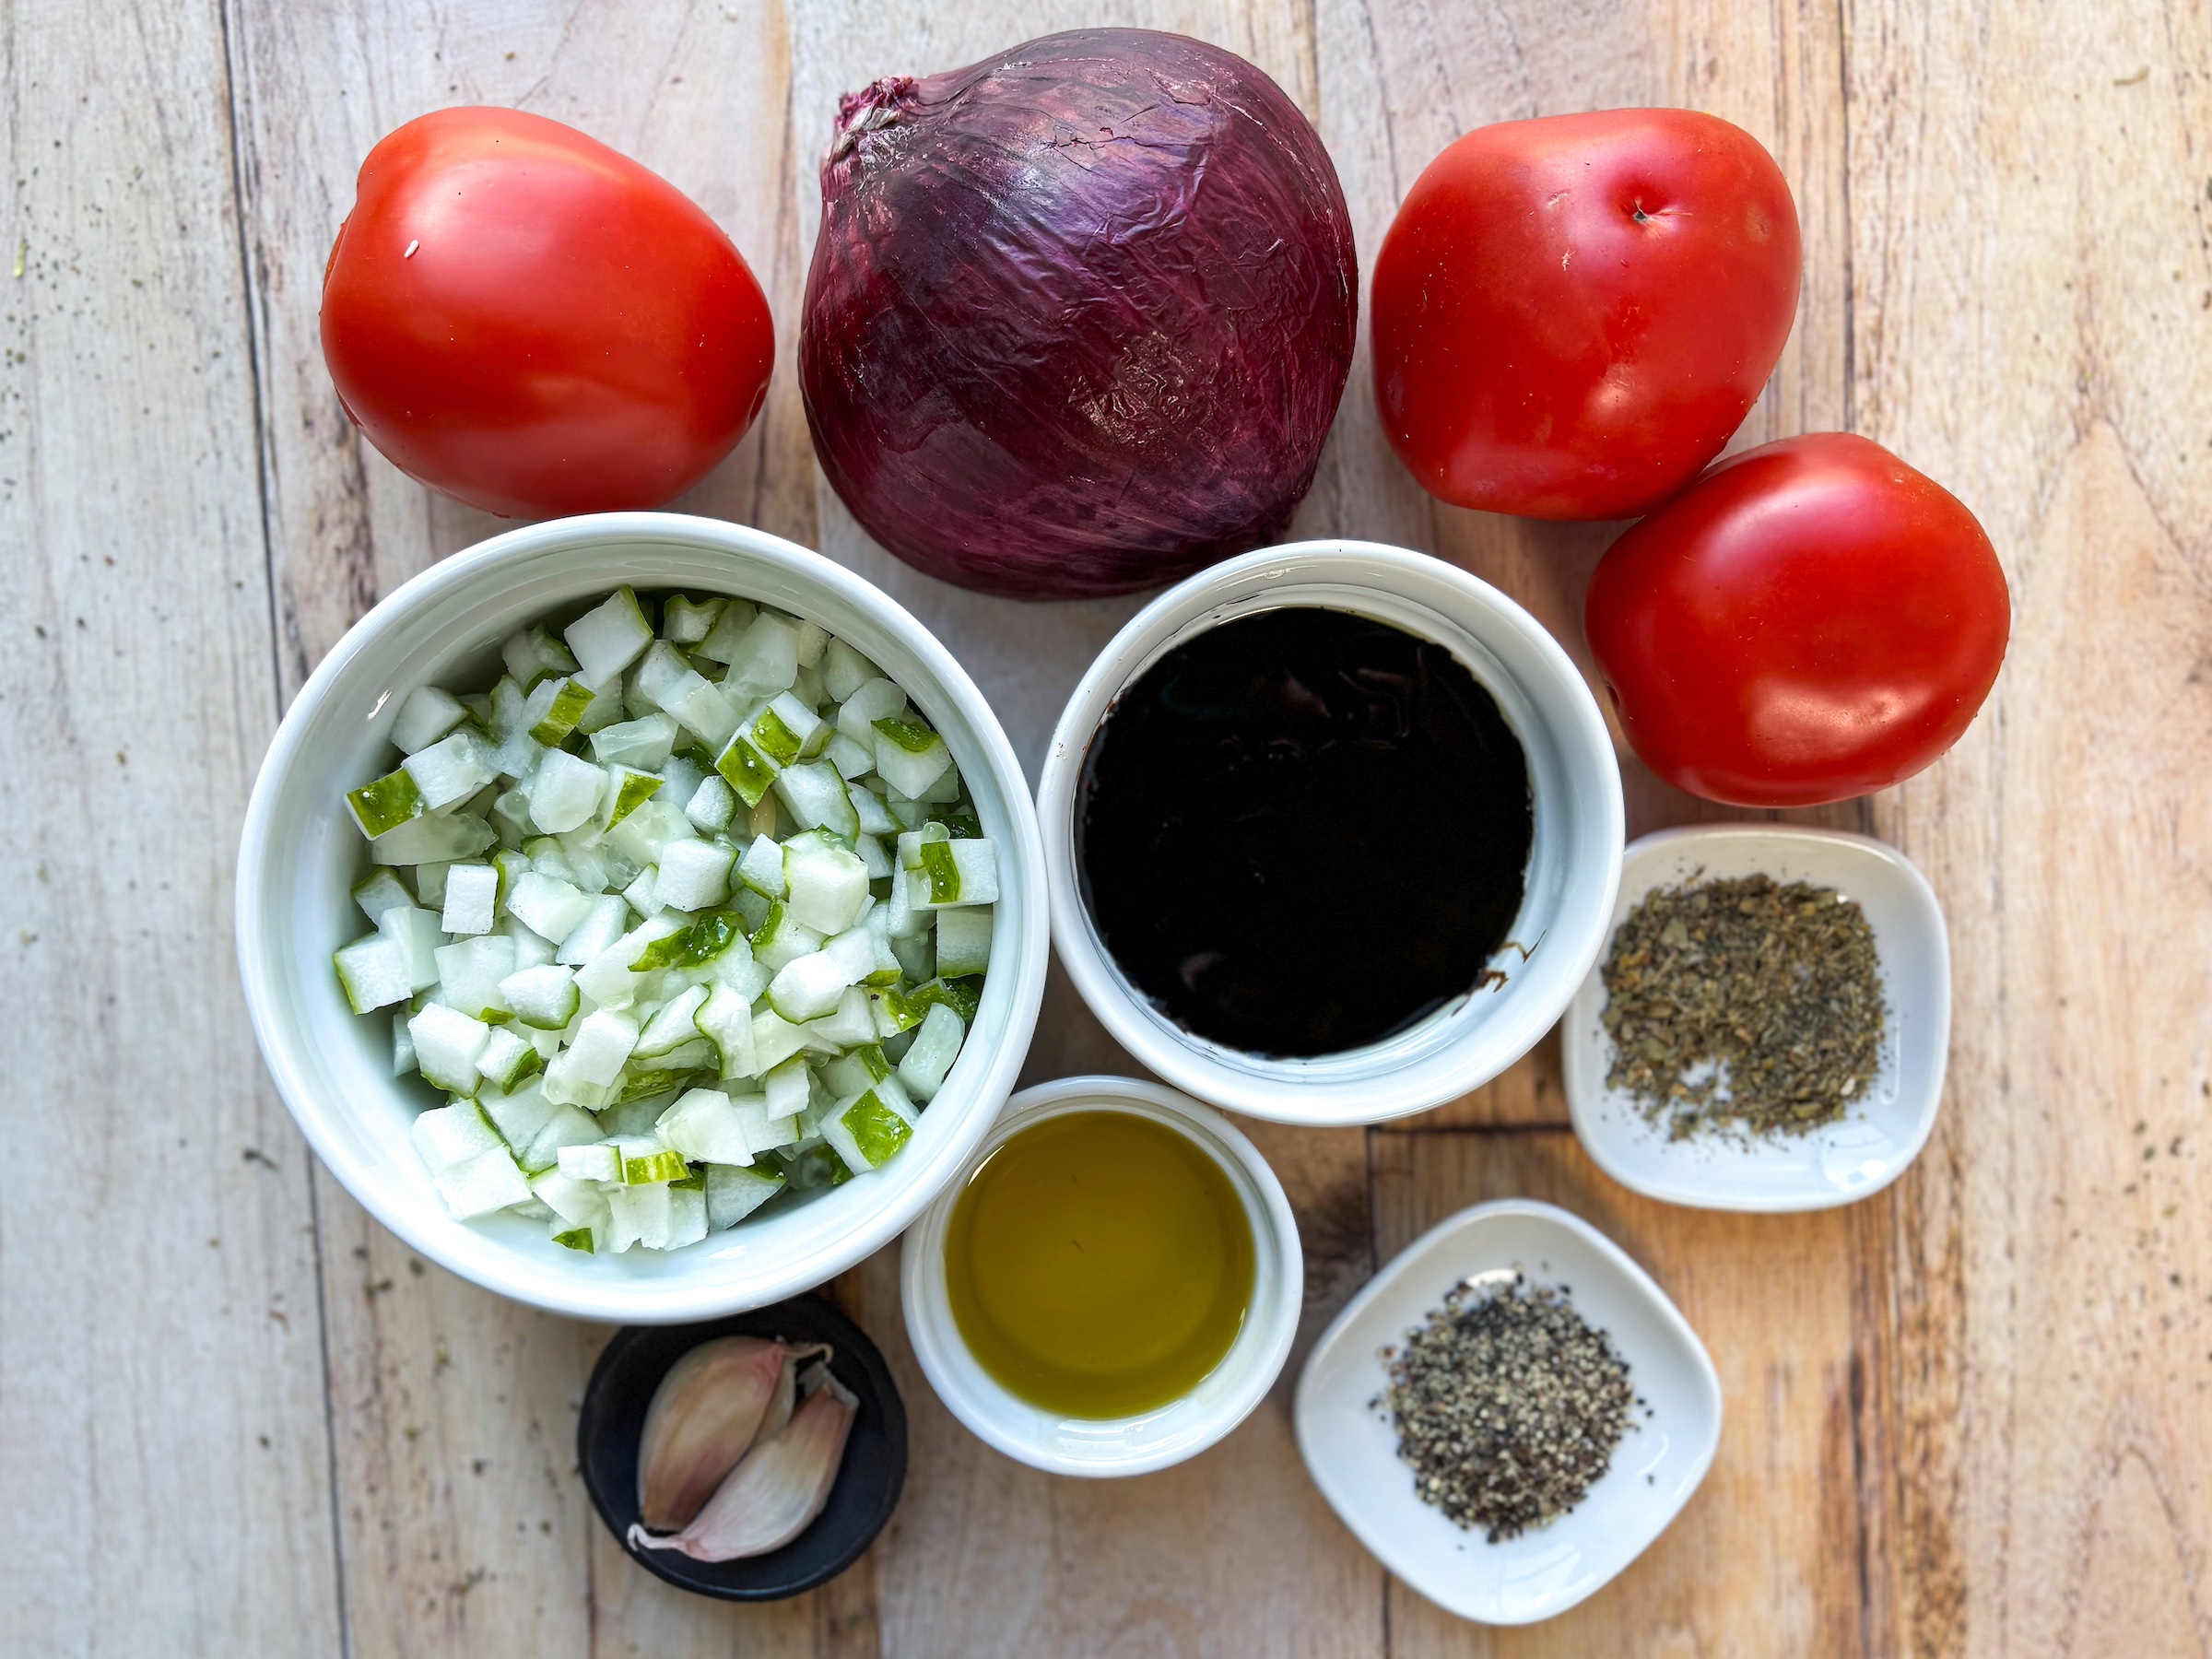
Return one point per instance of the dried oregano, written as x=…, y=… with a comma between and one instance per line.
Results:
x=1749, y=1003
x=1507, y=1406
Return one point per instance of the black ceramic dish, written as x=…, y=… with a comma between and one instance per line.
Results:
x=868, y=1480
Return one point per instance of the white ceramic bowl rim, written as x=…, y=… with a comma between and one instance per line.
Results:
x=1156, y=1440
x=1574, y=865
x=729, y=1271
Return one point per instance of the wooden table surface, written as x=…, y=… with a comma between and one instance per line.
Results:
x=1967, y=1416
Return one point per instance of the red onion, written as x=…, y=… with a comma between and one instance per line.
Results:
x=1079, y=315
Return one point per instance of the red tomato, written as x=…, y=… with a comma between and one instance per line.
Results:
x=1572, y=316
x=1810, y=620
x=522, y=317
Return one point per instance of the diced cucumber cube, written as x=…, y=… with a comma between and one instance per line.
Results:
x=433, y=838
x=548, y=905
x=910, y=842
x=506, y=1061
x=781, y=938
x=472, y=893
x=642, y=895
x=382, y=805
x=725, y=1019
x=852, y=759
x=485, y=1183
x=419, y=937
x=964, y=941
x=664, y=676
x=812, y=637
x=628, y=789
x=862, y=954
x=470, y=970
x=782, y=730
x=954, y=873
x=705, y=711
x=762, y=868
x=373, y=973
x=427, y=714
x=872, y=854
x=595, y=1162
x=636, y=1215
x=844, y=670
x=381, y=891
x=705, y=1127
x=765, y=659
x=874, y=701
x=730, y=628
x=532, y=950
x=609, y=979
x=734, y=1193
x=747, y=771
x=775, y=1040
x=645, y=1160
x=447, y=1042
x=646, y=831
x=644, y=744
x=450, y=770
x=603, y=1042
x=712, y=804
x=817, y=798
x=568, y=1126
x=580, y=1204
x=447, y=1136
x=825, y=885
x=688, y=621
x=764, y=1131
x=605, y=920
x=565, y=791
x=609, y=636
x=875, y=815
x=786, y=1088
x=917, y=948
x=849, y=1023
x=519, y=1115
x=935, y=1047
x=672, y=1026
x=867, y=1131
x=892, y=1013
x=554, y=709
x=694, y=875
x=807, y=987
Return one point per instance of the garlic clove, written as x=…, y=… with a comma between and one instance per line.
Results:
x=778, y=1487
x=713, y=1404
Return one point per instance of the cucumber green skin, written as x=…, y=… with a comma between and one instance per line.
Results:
x=877, y=1132
x=746, y=770
x=576, y=1238
x=383, y=803
x=910, y=735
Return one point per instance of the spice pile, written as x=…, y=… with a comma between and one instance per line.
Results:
x=1507, y=1406
x=1748, y=1003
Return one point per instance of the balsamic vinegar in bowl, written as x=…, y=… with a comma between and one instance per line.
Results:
x=1303, y=832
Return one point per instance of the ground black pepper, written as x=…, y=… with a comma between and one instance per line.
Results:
x=1507, y=1406
x=1748, y=1003
x=1303, y=830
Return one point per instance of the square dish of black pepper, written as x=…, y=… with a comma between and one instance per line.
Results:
x=1303, y=832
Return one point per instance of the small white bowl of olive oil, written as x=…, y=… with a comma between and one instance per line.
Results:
x=1110, y=1285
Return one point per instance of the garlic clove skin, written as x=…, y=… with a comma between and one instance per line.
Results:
x=778, y=1487
x=714, y=1402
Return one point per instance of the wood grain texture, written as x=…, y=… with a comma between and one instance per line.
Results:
x=2034, y=327
x=165, y=1455
x=1968, y=1418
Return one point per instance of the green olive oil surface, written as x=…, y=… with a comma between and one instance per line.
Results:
x=1100, y=1264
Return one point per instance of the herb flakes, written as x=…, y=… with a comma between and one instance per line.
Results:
x=1748, y=1003
x=1507, y=1406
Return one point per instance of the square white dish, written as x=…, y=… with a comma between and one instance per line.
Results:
x=1350, y=1445
x=1880, y=1133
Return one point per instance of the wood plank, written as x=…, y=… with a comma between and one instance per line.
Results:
x=2034, y=328
x=1232, y=1552
x=1767, y=1557
x=166, y=1453
x=466, y=1527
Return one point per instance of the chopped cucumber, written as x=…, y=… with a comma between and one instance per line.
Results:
x=793, y=984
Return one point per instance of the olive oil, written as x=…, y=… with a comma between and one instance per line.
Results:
x=1100, y=1264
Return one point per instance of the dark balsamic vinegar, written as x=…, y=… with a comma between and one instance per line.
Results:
x=1303, y=832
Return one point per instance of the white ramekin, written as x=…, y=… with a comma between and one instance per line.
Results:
x=1135, y=1446
x=300, y=855
x=1574, y=865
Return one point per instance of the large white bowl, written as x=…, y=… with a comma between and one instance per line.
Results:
x=1152, y=1440
x=1575, y=864
x=300, y=855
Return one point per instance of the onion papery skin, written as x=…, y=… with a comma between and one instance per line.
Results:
x=1079, y=316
